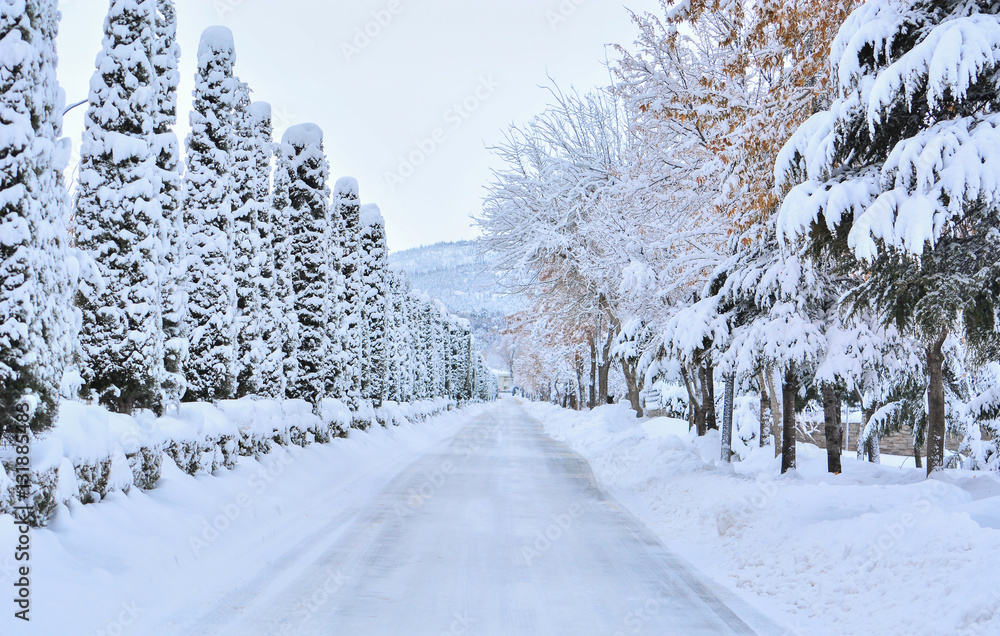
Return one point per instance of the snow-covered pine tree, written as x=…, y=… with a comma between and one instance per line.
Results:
x=334, y=363
x=420, y=336
x=347, y=310
x=118, y=217
x=282, y=352
x=309, y=199
x=36, y=330
x=166, y=54
x=411, y=379
x=397, y=328
x=451, y=357
x=467, y=360
x=58, y=321
x=437, y=344
x=246, y=245
x=269, y=342
x=902, y=173
x=374, y=256
x=208, y=187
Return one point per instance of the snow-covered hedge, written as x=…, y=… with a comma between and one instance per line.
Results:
x=92, y=452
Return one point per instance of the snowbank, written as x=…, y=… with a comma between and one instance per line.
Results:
x=92, y=452
x=877, y=549
x=155, y=553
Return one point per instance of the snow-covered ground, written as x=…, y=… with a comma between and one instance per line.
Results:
x=879, y=549
x=103, y=568
x=512, y=531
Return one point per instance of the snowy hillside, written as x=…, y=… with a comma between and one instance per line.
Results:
x=464, y=280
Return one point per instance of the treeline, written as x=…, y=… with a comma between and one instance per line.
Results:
x=798, y=198
x=161, y=282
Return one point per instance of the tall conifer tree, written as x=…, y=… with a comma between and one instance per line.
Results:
x=118, y=219
x=208, y=217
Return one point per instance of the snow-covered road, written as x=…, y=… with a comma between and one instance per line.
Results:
x=499, y=530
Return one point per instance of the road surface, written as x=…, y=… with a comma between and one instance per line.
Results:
x=501, y=530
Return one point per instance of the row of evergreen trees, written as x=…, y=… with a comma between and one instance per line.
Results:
x=202, y=286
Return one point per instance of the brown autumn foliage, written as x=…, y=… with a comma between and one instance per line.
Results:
x=738, y=79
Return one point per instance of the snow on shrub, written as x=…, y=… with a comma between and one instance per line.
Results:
x=92, y=452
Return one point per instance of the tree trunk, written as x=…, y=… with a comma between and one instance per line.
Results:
x=765, y=412
x=833, y=429
x=776, y=415
x=935, y=404
x=578, y=398
x=872, y=450
x=707, y=406
x=593, y=372
x=868, y=448
x=845, y=439
x=788, y=390
x=632, y=386
x=604, y=369
x=866, y=415
x=727, y=418
x=710, y=418
x=695, y=389
x=917, y=459
x=699, y=422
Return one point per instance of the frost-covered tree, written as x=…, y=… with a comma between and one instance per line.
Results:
x=37, y=324
x=268, y=345
x=166, y=54
x=900, y=172
x=309, y=206
x=208, y=187
x=720, y=86
x=375, y=290
x=118, y=217
x=437, y=344
x=400, y=373
x=467, y=362
x=284, y=345
x=568, y=212
x=249, y=204
x=346, y=245
x=420, y=336
x=781, y=308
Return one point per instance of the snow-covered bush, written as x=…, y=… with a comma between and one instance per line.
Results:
x=92, y=452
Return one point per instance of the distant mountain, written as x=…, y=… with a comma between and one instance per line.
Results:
x=465, y=281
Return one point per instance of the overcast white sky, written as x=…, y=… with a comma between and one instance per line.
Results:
x=378, y=100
